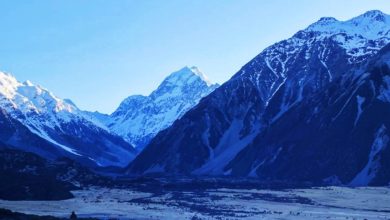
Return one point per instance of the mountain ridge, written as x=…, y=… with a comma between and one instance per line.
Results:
x=227, y=123
x=34, y=113
x=139, y=118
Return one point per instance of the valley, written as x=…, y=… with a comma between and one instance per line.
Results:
x=301, y=131
x=208, y=200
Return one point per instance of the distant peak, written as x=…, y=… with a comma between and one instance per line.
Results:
x=185, y=74
x=323, y=22
x=8, y=83
x=197, y=72
x=194, y=69
x=9, y=79
x=370, y=25
x=27, y=96
x=375, y=15
x=28, y=83
x=6, y=76
x=327, y=20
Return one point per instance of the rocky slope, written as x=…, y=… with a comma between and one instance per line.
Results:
x=241, y=128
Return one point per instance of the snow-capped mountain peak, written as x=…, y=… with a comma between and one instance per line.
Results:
x=139, y=118
x=186, y=76
x=8, y=85
x=195, y=70
x=57, y=124
x=375, y=14
x=324, y=21
x=370, y=25
x=360, y=36
x=187, y=80
x=228, y=133
x=28, y=97
x=28, y=83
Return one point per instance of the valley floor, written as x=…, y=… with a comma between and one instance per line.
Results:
x=222, y=203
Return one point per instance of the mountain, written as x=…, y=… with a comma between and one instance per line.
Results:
x=139, y=118
x=339, y=135
x=33, y=119
x=243, y=127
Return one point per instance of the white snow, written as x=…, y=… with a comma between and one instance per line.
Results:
x=229, y=146
x=43, y=114
x=27, y=97
x=371, y=25
x=322, y=58
x=320, y=203
x=360, y=101
x=140, y=118
x=39, y=107
x=41, y=133
x=356, y=35
x=369, y=171
x=200, y=74
x=345, y=104
x=253, y=172
x=270, y=68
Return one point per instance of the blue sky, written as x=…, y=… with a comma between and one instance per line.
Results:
x=97, y=52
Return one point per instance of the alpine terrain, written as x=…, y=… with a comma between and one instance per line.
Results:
x=34, y=120
x=139, y=118
x=309, y=108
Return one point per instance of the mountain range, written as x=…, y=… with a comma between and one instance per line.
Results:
x=309, y=108
x=139, y=118
x=33, y=119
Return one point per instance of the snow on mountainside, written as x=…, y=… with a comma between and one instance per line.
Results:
x=212, y=138
x=139, y=118
x=58, y=122
x=339, y=135
x=371, y=25
x=362, y=35
x=27, y=97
